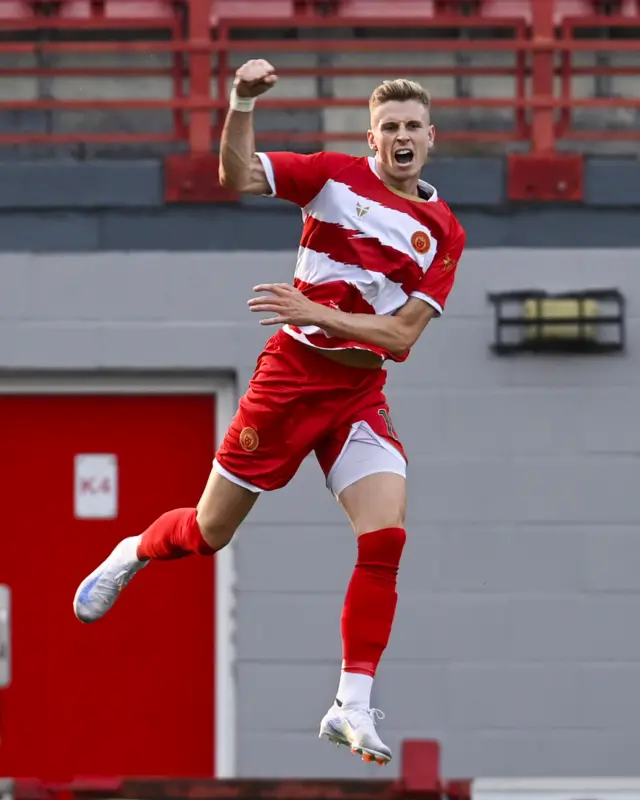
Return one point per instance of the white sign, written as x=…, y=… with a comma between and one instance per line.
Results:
x=6, y=789
x=556, y=789
x=5, y=637
x=95, y=486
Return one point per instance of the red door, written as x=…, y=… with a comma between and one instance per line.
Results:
x=132, y=694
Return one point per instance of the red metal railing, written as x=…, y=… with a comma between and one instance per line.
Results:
x=420, y=779
x=202, y=49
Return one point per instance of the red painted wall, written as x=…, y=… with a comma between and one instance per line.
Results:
x=132, y=694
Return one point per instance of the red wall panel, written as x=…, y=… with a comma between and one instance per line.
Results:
x=132, y=694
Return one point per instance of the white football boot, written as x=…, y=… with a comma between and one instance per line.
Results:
x=99, y=591
x=355, y=727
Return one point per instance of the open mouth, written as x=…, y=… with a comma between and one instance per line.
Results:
x=404, y=156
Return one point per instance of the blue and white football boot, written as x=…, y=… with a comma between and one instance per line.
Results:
x=99, y=591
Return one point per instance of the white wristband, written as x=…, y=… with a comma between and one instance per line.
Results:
x=241, y=103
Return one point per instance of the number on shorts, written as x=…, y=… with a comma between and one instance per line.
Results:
x=387, y=419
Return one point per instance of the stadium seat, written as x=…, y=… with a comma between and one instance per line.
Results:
x=630, y=8
x=611, y=8
x=402, y=9
x=246, y=9
x=518, y=9
x=582, y=8
x=76, y=9
x=119, y=9
x=15, y=10
x=140, y=9
x=562, y=9
x=572, y=8
x=465, y=8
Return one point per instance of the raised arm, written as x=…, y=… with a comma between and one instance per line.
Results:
x=295, y=177
x=240, y=168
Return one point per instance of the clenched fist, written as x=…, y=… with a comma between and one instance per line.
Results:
x=254, y=78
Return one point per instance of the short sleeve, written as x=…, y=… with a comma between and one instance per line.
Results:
x=297, y=177
x=438, y=280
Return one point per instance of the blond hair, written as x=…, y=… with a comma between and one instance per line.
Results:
x=399, y=89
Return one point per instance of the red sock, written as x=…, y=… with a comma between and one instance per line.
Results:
x=175, y=534
x=370, y=603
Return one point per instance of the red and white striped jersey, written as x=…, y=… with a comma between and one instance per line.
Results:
x=365, y=248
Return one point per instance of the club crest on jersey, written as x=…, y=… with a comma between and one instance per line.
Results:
x=420, y=242
x=249, y=439
x=361, y=210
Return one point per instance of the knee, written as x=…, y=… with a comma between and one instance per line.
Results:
x=216, y=532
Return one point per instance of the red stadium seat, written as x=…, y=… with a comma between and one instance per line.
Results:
x=562, y=9
x=118, y=9
x=520, y=9
x=502, y=9
x=403, y=9
x=140, y=9
x=583, y=8
x=630, y=8
x=246, y=9
x=572, y=8
x=465, y=8
x=76, y=9
x=15, y=10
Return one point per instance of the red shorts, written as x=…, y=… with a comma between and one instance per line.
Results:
x=299, y=401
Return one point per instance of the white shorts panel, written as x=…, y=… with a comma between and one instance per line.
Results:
x=364, y=453
x=238, y=481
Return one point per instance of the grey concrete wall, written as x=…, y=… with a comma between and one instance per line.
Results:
x=274, y=227
x=68, y=206
x=466, y=182
x=515, y=642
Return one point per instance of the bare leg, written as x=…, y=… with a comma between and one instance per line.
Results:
x=222, y=509
x=375, y=502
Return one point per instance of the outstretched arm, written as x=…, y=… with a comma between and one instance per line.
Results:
x=240, y=168
x=397, y=333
